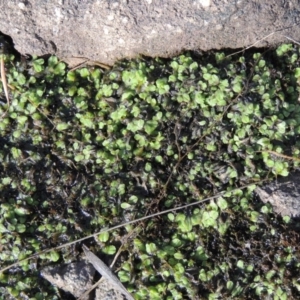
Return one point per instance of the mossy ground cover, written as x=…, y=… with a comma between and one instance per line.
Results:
x=87, y=149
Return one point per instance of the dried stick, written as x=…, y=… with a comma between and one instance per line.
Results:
x=252, y=45
x=280, y=155
x=105, y=271
x=4, y=82
x=85, y=294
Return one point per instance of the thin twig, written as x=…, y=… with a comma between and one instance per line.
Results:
x=280, y=155
x=86, y=293
x=265, y=37
x=91, y=63
x=252, y=45
x=291, y=39
x=4, y=83
x=79, y=66
x=128, y=223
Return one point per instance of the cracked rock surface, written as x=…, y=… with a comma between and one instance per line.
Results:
x=74, y=278
x=109, y=30
x=284, y=195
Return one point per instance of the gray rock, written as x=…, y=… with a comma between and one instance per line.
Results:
x=75, y=277
x=284, y=195
x=105, y=291
x=109, y=30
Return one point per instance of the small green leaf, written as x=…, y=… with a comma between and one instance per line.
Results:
x=72, y=90
x=222, y=203
x=150, y=126
x=60, y=69
x=212, y=79
x=79, y=157
x=282, y=49
x=126, y=95
x=125, y=205
x=176, y=242
x=107, y=90
x=200, y=99
x=172, y=78
x=54, y=256
x=135, y=125
x=193, y=66
x=261, y=63
x=141, y=139
x=178, y=255
x=211, y=146
x=21, y=79
x=135, y=111
x=20, y=228
x=71, y=76
x=174, y=65
x=110, y=250
x=62, y=126
x=38, y=65
x=103, y=237
x=123, y=276
x=264, y=209
x=297, y=73
x=209, y=218
x=220, y=56
x=17, y=134
x=89, y=123
x=237, y=87
x=21, y=211
x=84, y=72
x=263, y=142
x=186, y=225
x=203, y=276
x=119, y=114
x=180, y=217
x=16, y=153
x=171, y=217
x=133, y=199
x=270, y=274
x=229, y=285
x=42, y=228
x=240, y=264
x=3, y=228
x=148, y=167
x=162, y=85
x=151, y=248
x=138, y=244
x=52, y=61
x=245, y=119
x=254, y=216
